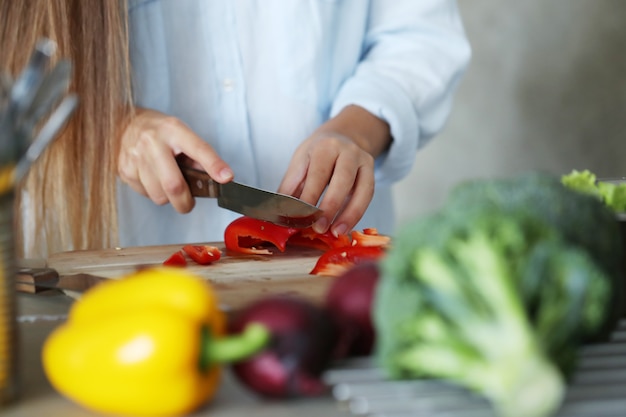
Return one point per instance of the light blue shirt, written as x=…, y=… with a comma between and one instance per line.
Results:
x=255, y=78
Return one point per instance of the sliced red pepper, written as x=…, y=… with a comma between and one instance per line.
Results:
x=177, y=259
x=248, y=235
x=324, y=241
x=338, y=260
x=203, y=254
x=369, y=237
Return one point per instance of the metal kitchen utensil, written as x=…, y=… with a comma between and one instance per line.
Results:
x=20, y=97
x=281, y=209
x=47, y=133
x=28, y=82
x=597, y=388
x=53, y=86
x=23, y=103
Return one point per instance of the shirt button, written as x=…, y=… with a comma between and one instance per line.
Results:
x=228, y=84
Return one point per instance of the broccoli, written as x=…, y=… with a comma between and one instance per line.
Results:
x=611, y=193
x=568, y=300
x=497, y=290
x=580, y=218
x=582, y=181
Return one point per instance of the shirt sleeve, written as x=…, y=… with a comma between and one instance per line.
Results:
x=415, y=53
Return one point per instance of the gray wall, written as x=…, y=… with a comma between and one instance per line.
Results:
x=546, y=90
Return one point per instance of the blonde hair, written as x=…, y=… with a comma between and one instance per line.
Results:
x=71, y=190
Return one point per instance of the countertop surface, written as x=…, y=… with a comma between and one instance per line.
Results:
x=39, y=314
x=597, y=388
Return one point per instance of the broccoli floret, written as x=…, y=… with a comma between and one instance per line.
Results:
x=579, y=218
x=582, y=181
x=611, y=193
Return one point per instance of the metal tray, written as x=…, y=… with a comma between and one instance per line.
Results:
x=597, y=389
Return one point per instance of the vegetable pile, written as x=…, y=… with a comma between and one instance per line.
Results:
x=494, y=292
x=246, y=235
x=305, y=337
x=498, y=289
x=153, y=343
x=340, y=253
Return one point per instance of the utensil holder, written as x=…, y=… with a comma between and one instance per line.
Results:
x=8, y=313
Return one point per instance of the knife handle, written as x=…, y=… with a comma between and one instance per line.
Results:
x=34, y=280
x=200, y=183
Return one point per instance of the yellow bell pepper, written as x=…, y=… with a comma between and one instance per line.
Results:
x=148, y=344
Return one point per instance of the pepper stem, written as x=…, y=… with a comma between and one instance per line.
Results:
x=233, y=348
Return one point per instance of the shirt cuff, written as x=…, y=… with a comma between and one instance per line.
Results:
x=389, y=102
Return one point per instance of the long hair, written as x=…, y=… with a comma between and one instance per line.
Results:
x=67, y=201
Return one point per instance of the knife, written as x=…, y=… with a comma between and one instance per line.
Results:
x=281, y=209
x=34, y=280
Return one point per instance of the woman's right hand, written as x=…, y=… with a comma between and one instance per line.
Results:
x=147, y=160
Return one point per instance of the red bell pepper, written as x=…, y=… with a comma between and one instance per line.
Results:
x=177, y=259
x=324, y=241
x=248, y=235
x=338, y=260
x=203, y=254
x=369, y=237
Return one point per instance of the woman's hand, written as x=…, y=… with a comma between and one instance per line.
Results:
x=338, y=162
x=147, y=160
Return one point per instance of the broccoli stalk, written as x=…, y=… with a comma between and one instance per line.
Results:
x=476, y=332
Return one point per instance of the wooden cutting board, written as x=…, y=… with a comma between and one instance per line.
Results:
x=238, y=279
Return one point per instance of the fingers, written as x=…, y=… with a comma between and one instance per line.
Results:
x=337, y=171
x=205, y=158
x=164, y=182
x=293, y=181
x=147, y=160
x=329, y=167
x=349, y=192
x=355, y=203
x=347, y=197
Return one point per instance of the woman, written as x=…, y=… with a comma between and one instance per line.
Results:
x=321, y=99
x=302, y=96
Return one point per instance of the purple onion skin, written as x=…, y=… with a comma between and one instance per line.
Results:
x=349, y=300
x=303, y=344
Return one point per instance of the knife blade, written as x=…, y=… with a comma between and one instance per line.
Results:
x=34, y=280
x=281, y=209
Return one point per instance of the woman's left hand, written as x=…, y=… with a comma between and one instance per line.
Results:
x=336, y=164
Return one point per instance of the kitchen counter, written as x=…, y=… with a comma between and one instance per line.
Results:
x=39, y=314
x=599, y=384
